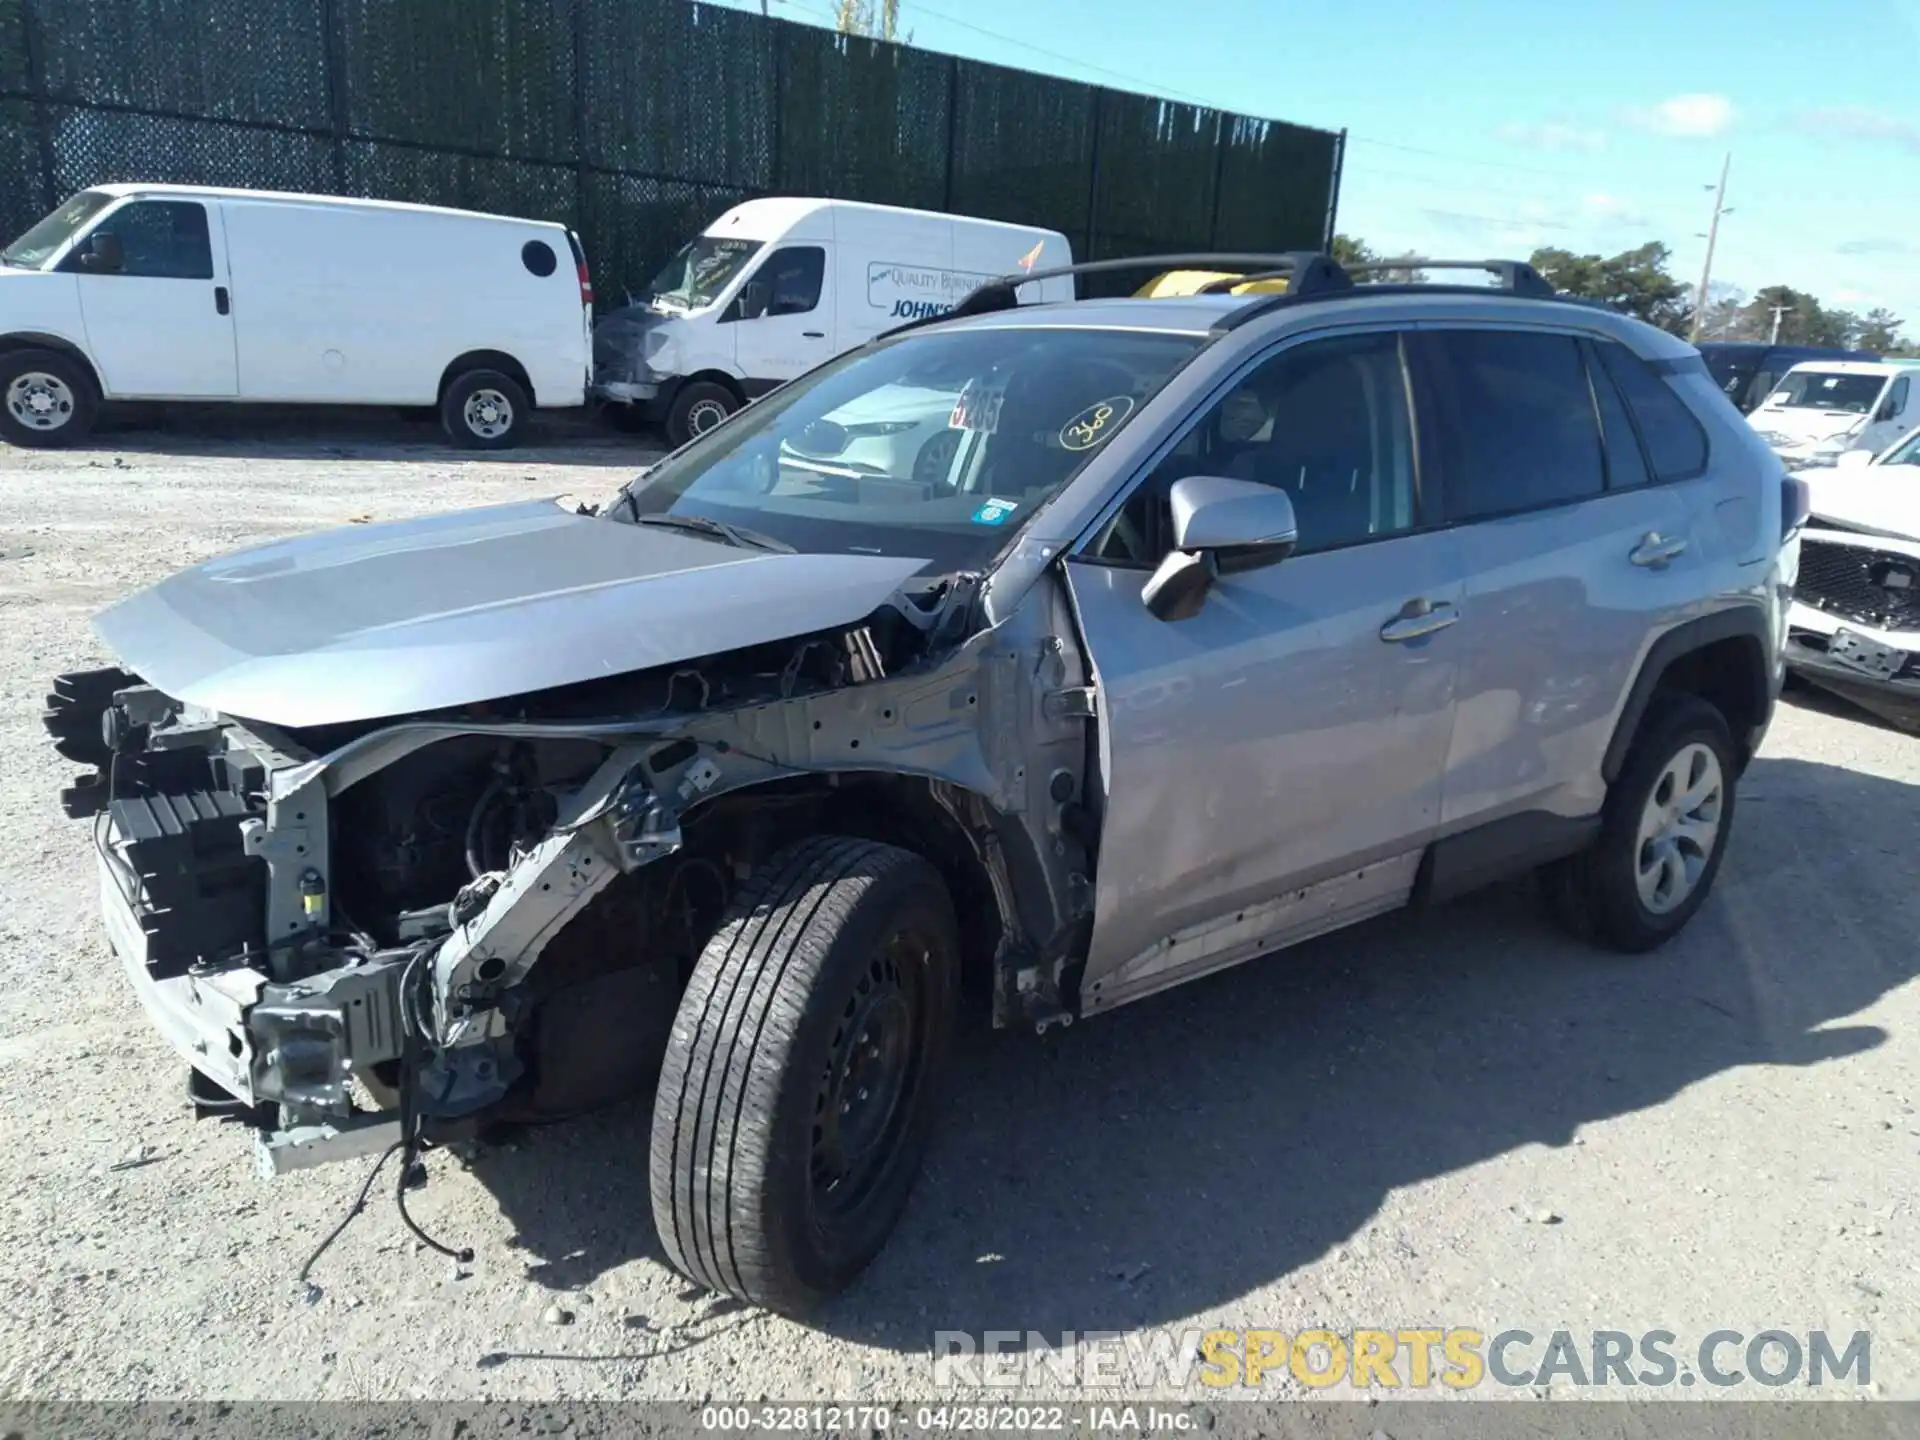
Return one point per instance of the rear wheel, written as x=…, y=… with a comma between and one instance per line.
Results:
x=1662, y=836
x=46, y=399
x=484, y=410
x=697, y=407
x=798, y=1088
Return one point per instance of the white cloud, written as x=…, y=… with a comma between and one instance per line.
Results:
x=1687, y=116
x=1856, y=122
x=1553, y=135
x=1851, y=297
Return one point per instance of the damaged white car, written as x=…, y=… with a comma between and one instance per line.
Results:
x=1040, y=656
x=1854, y=627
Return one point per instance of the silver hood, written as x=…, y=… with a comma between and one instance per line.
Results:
x=382, y=620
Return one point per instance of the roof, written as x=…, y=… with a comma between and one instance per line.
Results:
x=1201, y=314
x=348, y=202
x=1856, y=367
x=776, y=213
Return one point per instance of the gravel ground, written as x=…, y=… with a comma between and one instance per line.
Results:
x=1456, y=1119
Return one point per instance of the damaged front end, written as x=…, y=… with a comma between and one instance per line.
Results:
x=359, y=931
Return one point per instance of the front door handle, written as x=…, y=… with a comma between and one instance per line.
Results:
x=1655, y=550
x=220, y=300
x=1418, y=618
x=813, y=334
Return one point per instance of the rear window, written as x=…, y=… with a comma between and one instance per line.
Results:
x=1676, y=444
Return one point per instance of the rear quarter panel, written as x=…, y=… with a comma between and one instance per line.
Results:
x=341, y=304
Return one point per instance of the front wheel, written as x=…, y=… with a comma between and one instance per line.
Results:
x=799, y=1083
x=697, y=407
x=484, y=410
x=46, y=399
x=1663, y=833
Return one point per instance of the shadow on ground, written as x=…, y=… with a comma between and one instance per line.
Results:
x=348, y=432
x=1229, y=1132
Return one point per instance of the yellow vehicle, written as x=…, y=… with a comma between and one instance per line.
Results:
x=1188, y=282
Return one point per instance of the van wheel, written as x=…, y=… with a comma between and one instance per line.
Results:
x=800, y=1080
x=1663, y=833
x=697, y=407
x=484, y=410
x=46, y=399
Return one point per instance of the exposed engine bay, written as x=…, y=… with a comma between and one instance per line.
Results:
x=363, y=933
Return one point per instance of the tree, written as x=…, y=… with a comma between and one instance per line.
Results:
x=875, y=19
x=1635, y=282
x=1879, y=331
x=1350, y=252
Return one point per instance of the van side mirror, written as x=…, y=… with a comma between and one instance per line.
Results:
x=1853, y=460
x=1886, y=411
x=753, y=299
x=1220, y=526
x=103, y=253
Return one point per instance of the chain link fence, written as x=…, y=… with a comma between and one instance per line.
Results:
x=636, y=122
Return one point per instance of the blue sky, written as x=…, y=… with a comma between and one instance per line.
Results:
x=1493, y=126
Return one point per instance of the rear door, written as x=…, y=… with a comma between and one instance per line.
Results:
x=1576, y=556
x=161, y=327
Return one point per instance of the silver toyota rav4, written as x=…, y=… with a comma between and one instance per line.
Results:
x=1159, y=635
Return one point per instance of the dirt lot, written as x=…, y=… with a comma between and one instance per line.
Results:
x=1455, y=1119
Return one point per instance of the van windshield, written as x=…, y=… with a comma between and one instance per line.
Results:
x=695, y=277
x=33, y=249
x=1828, y=390
x=937, y=445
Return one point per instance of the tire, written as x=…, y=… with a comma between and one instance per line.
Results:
x=46, y=399
x=835, y=941
x=484, y=410
x=697, y=407
x=1598, y=894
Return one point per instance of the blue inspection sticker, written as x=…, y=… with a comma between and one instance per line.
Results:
x=995, y=512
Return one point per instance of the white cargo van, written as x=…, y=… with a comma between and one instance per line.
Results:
x=1823, y=407
x=774, y=287
x=178, y=292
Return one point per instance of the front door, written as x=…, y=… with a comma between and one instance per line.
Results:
x=161, y=327
x=1272, y=766
x=782, y=320
x=1890, y=418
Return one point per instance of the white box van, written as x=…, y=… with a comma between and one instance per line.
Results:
x=774, y=287
x=1823, y=407
x=180, y=292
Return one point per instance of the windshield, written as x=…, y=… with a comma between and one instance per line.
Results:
x=938, y=445
x=32, y=249
x=1828, y=390
x=695, y=277
x=1907, y=452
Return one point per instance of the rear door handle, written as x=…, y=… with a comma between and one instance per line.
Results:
x=221, y=302
x=1418, y=618
x=1655, y=550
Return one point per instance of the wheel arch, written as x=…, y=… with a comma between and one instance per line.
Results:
x=486, y=360
x=1722, y=659
x=996, y=880
x=38, y=340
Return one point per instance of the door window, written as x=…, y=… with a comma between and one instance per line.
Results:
x=1626, y=462
x=1520, y=431
x=1897, y=402
x=792, y=276
x=1676, y=445
x=166, y=239
x=1326, y=421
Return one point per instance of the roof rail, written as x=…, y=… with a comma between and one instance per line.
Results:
x=1002, y=292
x=1311, y=275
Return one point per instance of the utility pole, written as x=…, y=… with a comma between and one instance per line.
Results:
x=1778, y=312
x=1713, y=234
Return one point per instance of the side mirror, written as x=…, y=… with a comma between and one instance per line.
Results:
x=1885, y=412
x=753, y=299
x=1220, y=526
x=103, y=253
x=1853, y=460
